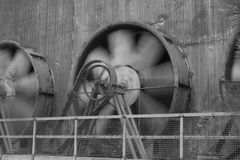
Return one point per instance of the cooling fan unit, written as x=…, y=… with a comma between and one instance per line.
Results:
x=144, y=67
x=26, y=90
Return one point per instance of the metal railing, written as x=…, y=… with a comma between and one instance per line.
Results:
x=181, y=137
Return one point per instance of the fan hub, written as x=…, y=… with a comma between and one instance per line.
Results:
x=128, y=78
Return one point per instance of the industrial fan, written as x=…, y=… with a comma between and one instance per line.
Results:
x=140, y=59
x=21, y=71
x=149, y=67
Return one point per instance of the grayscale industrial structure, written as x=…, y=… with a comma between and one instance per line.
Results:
x=119, y=79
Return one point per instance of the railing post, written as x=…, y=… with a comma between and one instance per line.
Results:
x=34, y=138
x=75, y=138
x=124, y=139
x=181, y=138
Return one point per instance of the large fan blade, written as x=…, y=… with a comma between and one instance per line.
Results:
x=19, y=66
x=235, y=74
x=5, y=59
x=18, y=108
x=98, y=54
x=149, y=52
x=121, y=45
x=149, y=105
x=158, y=77
x=102, y=124
x=27, y=85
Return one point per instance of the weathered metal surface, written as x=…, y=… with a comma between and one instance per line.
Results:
x=51, y=26
x=47, y=27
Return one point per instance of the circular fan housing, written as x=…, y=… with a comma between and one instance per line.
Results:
x=164, y=78
x=27, y=85
x=230, y=82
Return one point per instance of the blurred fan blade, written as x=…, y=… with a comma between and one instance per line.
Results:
x=157, y=76
x=27, y=85
x=149, y=52
x=19, y=66
x=102, y=124
x=149, y=105
x=5, y=59
x=98, y=54
x=18, y=108
x=235, y=73
x=121, y=45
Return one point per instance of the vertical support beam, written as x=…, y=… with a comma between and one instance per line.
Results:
x=4, y=130
x=34, y=137
x=75, y=138
x=181, y=138
x=124, y=139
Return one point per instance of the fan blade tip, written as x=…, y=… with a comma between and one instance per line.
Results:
x=5, y=60
x=19, y=66
x=121, y=45
x=99, y=53
x=121, y=38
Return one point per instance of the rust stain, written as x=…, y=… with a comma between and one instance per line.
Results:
x=173, y=7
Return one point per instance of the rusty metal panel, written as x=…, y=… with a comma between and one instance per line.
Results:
x=207, y=65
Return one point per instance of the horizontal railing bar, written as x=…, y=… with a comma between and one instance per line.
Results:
x=212, y=137
x=60, y=157
x=118, y=137
x=16, y=136
x=62, y=118
x=80, y=136
x=171, y=115
x=89, y=136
